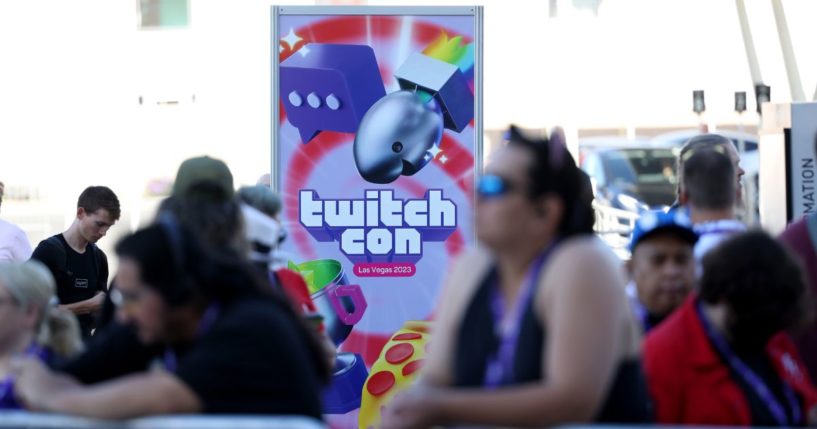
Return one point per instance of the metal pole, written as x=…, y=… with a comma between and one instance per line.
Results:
x=748, y=43
x=479, y=76
x=275, y=53
x=797, y=93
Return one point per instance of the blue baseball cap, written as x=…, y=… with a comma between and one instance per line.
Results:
x=651, y=222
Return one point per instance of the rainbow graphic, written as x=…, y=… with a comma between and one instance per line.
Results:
x=452, y=50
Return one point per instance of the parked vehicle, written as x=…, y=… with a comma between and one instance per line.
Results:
x=628, y=178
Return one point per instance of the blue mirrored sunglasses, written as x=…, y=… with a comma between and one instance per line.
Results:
x=491, y=185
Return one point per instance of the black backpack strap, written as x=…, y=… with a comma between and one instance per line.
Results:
x=62, y=256
x=99, y=259
x=92, y=247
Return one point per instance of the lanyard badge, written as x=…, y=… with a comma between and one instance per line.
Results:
x=499, y=367
x=752, y=379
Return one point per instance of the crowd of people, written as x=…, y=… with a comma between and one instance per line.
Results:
x=708, y=322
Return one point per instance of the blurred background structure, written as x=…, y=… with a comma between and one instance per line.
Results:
x=120, y=92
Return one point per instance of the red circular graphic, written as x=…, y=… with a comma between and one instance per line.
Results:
x=408, y=336
x=380, y=383
x=399, y=353
x=411, y=367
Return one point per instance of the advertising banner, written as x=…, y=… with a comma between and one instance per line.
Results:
x=803, y=152
x=376, y=140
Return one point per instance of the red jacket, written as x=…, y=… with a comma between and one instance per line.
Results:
x=690, y=384
x=797, y=237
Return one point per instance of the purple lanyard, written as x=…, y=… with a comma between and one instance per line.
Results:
x=499, y=368
x=7, y=399
x=208, y=319
x=754, y=381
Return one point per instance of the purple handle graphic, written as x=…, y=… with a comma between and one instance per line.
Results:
x=353, y=292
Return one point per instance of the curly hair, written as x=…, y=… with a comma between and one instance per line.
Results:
x=761, y=283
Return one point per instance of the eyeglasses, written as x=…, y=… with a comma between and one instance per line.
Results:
x=493, y=186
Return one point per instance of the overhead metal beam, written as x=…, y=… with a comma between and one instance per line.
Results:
x=748, y=43
x=795, y=85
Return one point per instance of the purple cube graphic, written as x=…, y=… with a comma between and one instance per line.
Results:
x=445, y=82
x=329, y=87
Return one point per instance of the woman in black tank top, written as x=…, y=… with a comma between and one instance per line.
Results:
x=535, y=331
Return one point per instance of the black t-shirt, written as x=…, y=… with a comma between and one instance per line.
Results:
x=79, y=276
x=112, y=352
x=252, y=360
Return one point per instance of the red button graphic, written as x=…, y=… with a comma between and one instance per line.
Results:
x=408, y=336
x=399, y=353
x=380, y=383
x=412, y=367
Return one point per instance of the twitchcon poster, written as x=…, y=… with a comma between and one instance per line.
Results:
x=376, y=143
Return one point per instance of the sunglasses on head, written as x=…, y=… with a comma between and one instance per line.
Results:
x=491, y=185
x=719, y=148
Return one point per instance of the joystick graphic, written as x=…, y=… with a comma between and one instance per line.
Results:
x=339, y=88
x=396, y=135
x=400, y=134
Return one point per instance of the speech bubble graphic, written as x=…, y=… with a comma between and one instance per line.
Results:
x=328, y=87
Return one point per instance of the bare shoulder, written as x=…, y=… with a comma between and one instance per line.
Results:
x=584, y=263
x=576, y=252
x=585, y=274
